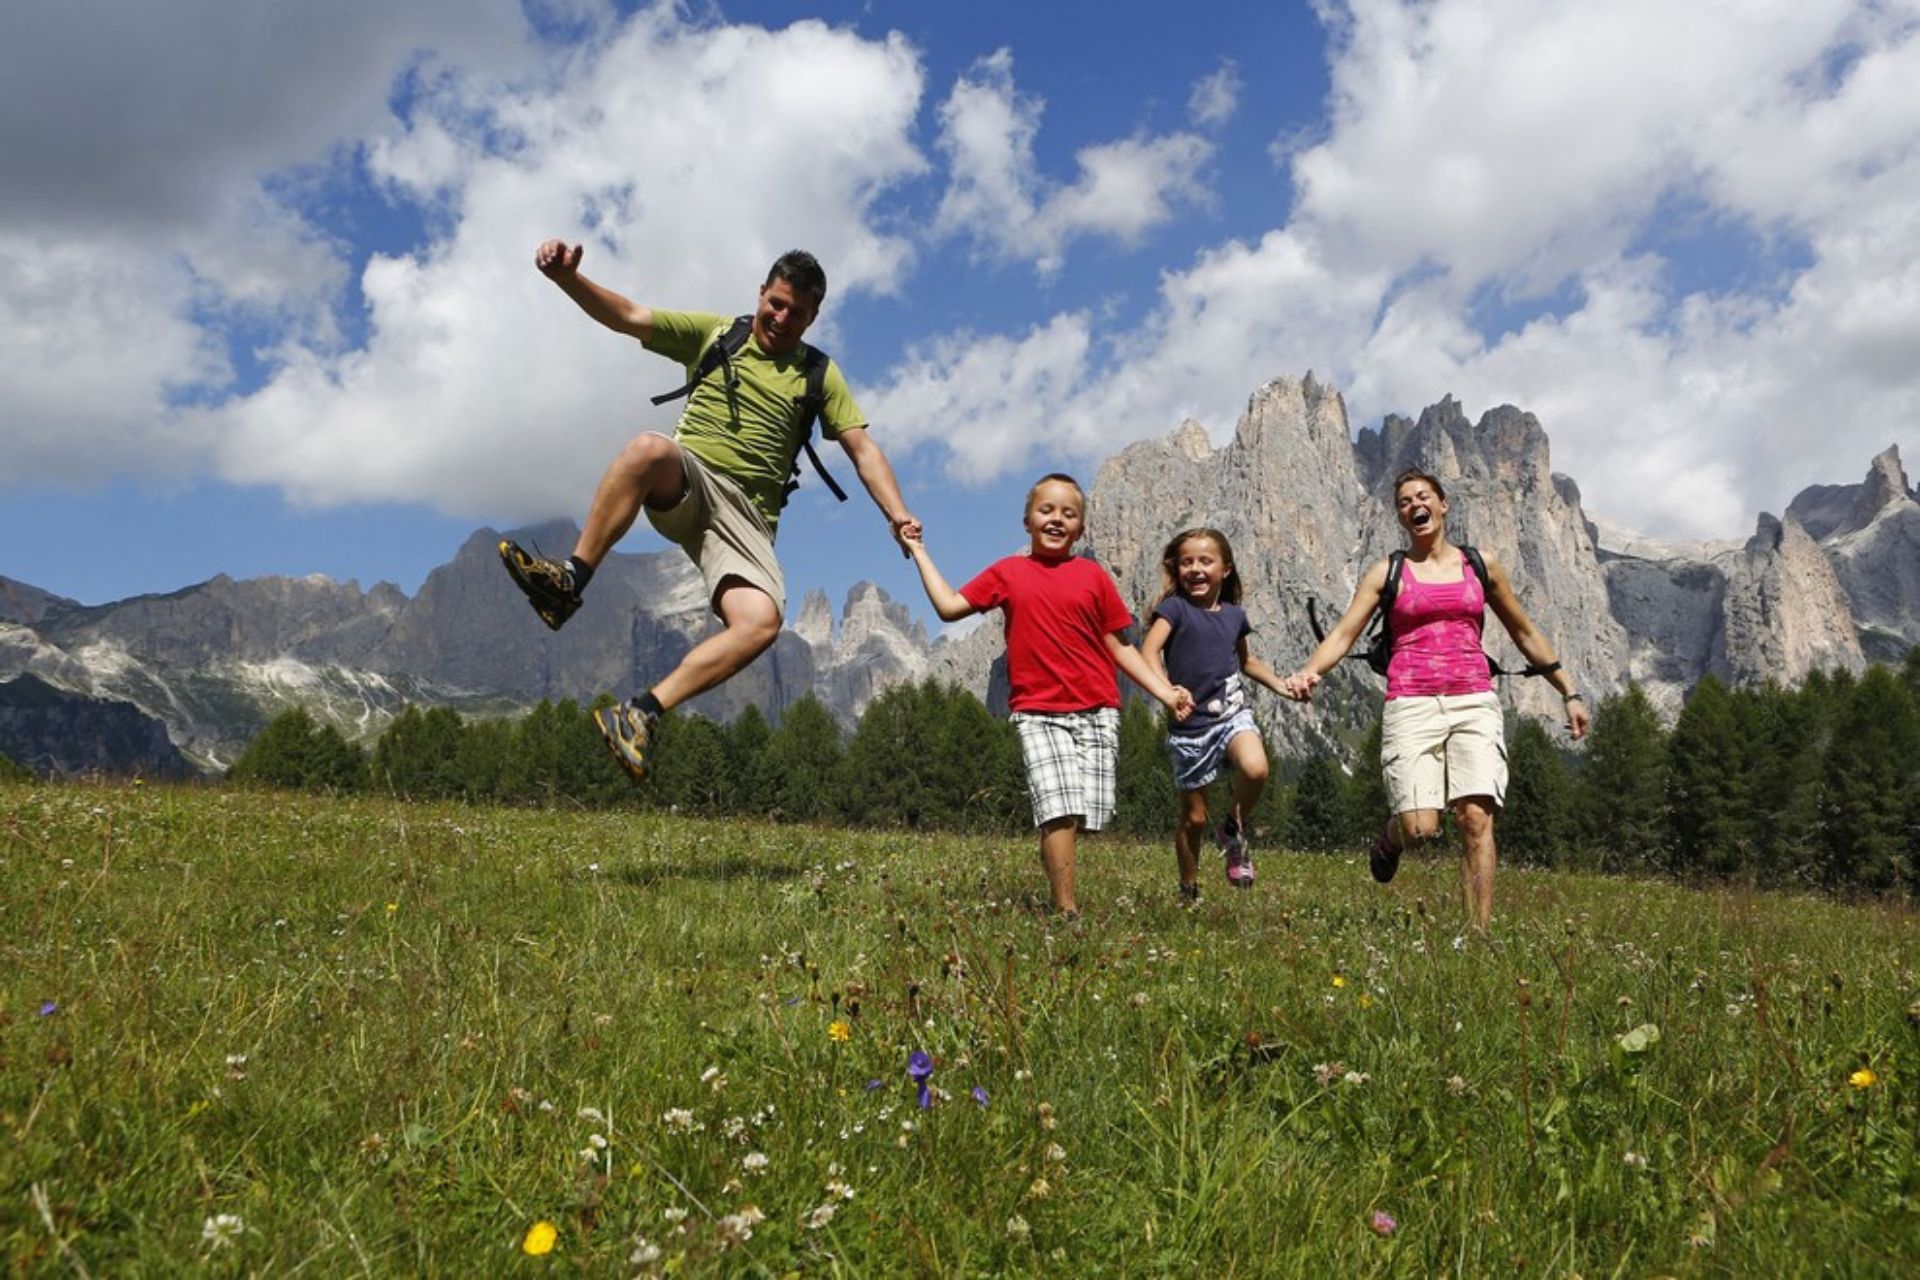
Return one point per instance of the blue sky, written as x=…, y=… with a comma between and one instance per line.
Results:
x=267, y=293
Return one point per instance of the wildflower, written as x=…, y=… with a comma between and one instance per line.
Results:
x=751, y=1215
x=1460, y=942
x=1017, y=1228
x=644, y=1253
x=236, y=1066
x=1040, y=1189
x=596, y=1142
x=919, y=1068
x=1339, y=981
x=871, y=1085
x=821, y=1216
x=733, y=1229
x=1366, y=1001
x=1383, y=1224
x=1356, y=1077
x=754, y=1161
x=221, y=1230
x=839, y=1189
x=1863, y=1078
x=392, y=907
x=838, y=1031
x=591, y=1115
x=1634, y=1160
x=1056, y=1153
x=1021, y=1073
x=1138, y=999
x=1325, y=1073
x=678, y=1119
x=48, y=1008
x=709, y=1075
x=980, y=1095
x=675, y=1215
x=1456, y=1085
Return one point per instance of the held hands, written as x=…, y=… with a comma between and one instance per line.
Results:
x=1182, y=704
x=557, y=260
x=1300, y=685
x=907, y=531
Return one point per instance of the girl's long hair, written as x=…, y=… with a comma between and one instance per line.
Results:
x=1170, y=565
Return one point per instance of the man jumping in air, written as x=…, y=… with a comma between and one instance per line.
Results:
x=716, y=486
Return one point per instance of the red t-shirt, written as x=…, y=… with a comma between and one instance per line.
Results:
x=1058, y=615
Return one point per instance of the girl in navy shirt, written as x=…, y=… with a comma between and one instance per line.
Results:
x=1198, y=637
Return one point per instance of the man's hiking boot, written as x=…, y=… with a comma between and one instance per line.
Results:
x=627, y=730
x=548, y=584
x=1383, y=859
x=1233, y=843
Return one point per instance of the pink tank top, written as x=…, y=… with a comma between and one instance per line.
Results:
x=1436, y=637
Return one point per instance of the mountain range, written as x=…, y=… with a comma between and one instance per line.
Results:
x=1834, y=581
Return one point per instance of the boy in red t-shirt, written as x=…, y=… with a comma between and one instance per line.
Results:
x=1063, y=619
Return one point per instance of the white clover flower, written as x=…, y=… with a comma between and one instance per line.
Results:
x=596, y=1142
x=679, y=1120
x=1634, y=1160
x=1056, y=1153
x=820, y=1216
x=709, y=1074
x=222, y=1230
x=733, y=1229
x=591, y=1115
x=1356, y=1077
x=751, y=1215
x=644, y=1253
x=675, y=1215
x=754, y=1161
x=839, y=1190
x=1017, y=1228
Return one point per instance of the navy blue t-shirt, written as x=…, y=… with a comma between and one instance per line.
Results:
x=1203, y=654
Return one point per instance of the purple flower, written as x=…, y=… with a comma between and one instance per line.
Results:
x=48, y=1009
x=980, y=1095
x=919, y=1068
x=792, y=1002
x=874, y=1084
x=1383, y=1223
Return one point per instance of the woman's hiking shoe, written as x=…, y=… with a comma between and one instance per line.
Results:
x=1383, y=860
x=627, y=730
x=1233, y=843
x=547, y=584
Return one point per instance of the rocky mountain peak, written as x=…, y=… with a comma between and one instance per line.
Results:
x=1884, y=487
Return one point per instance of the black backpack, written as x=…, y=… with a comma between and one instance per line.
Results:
x=1379, y=650
x=719, y=355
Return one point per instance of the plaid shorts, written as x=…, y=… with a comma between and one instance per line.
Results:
x=1070, y=758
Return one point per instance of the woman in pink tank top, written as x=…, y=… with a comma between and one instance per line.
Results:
x=1442, y=742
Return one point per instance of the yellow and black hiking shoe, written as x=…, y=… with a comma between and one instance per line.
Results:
x=627, y=729
x=548, y=584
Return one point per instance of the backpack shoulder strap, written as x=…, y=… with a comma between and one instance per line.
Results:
x=1390, y=590
x=813, y=402
x=719, y=352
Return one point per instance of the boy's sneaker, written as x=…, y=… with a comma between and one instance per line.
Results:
x=1383, y=860
x=627, y=730
x=548, y=584
x=1233, y=843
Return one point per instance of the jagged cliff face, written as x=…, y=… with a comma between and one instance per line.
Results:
x=1833, y=582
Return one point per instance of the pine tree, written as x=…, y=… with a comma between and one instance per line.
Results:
x=294, y=750
x=483, y=761
x=747, y=739
x=1621, y=796
x=418, y=755
x=803, y=763
x=1707, y=785
x=1145, y=800
x=1535, y=825
x=12, y=771
x=1867, y=806
x=1319, y=806
x=1367, y=803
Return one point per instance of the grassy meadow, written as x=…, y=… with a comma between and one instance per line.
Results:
x=264, y=1033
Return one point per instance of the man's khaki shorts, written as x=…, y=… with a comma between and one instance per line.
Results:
x=1436, y=750
x=721, y=531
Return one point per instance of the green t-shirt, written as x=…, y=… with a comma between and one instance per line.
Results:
x=753, y=436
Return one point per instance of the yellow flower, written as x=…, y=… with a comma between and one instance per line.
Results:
x=838, y=1030
x=1366, y=1001
x=392, y=907
x=1863, y=1079
x=1339, y=981
x=540, y=1238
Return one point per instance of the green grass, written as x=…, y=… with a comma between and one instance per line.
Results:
x=373, y=1032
